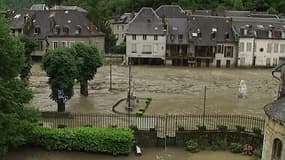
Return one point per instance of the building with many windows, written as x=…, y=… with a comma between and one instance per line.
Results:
x=56, y=27
x=146, y=39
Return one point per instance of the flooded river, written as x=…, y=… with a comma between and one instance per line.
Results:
x=149, y=154
x=173, y=89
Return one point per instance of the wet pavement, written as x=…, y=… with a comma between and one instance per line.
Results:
x=173, y=90
x=148, y=154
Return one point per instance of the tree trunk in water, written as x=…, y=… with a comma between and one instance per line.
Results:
x=60, y=105
x=84, y=88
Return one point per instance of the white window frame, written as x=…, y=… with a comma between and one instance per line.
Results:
x=248, y=46
x=53, y=44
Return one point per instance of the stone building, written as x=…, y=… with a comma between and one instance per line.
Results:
x=61, y=26
x=274, y=132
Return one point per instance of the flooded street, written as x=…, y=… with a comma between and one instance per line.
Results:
x=173, y=90
x=149, y=154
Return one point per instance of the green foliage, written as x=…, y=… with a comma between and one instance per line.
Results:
x=88, y=59
x=222, y=128
x=15, y=121
x=258, y=153
x=139, y=113
x=220, y=143
x=103, y=140
x=192, y=146
x=60, y=66
x=236, y=147
x=240, y=128
x=133, y=127
x=29, y=46
x=16, y=126
x=201, y=128
x=11, y=52
x=257, y=131
x=120, y=49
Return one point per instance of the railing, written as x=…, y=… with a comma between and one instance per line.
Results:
x=165, y=125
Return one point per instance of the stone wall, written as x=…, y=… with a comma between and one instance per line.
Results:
x=273, y=130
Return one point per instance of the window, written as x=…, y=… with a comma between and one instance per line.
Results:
x=71, y=43
x=134, y=37
x=269, y=47
x=37, y=30
x=55, y=44
x=213, y=35
x=220, y=49
x=172, y=37
x=57, y=29
x=242, y=61
x=248, y=46
x=65, y=30
x=276, y=47
x=282, y=48
x=144, y=37
x=118, y=27
x=39, y=46
x=268, y=61
x=275, y=61
x=155, y=37
x=241, y=46
x=180, y=37
x=78, y=29
x=122, y=27
x=229, y=51
x=147, y=49
x=63, y=44
x=134, y=48
x=277, y=149
x=123, y=35
x=227, y=36
x=155, y=48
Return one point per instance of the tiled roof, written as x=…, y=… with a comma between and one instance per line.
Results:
x=207, y=25
x=170, y=11
x=276, y=110
x=146, y=22
x=49, y=20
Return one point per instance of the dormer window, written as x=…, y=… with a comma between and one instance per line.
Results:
x=66, y=29
x=172, y=37
x=37, y=30
x=180, y=37
x=78, y=30
x=213, y=35
x=57, y=29
x=227, y=36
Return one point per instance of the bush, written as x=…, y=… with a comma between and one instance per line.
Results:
x=192, y=146
x=201, y=128
x=139, y=113
x=222, y=128
x=236, y=148
x=142, y=109
x=257, y=131
x=103, y=140
x=133, y=127
x=257, y=153
x=240, y=128
x=219, y=144
x=181, y=128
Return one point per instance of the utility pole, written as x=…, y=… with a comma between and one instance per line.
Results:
x=110, y=77
x=204, y=109
x=129, y=91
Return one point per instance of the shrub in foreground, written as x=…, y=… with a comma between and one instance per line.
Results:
x=192, y=146
x=103, y=140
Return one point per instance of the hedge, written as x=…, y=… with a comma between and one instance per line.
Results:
x=102, y=140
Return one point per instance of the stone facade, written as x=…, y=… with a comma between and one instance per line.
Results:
x=273, y=130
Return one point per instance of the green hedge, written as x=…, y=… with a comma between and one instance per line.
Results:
x=103, y=140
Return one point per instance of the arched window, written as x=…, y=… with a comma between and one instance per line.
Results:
x=277, y=149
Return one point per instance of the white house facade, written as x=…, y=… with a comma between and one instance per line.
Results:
x=146, y=46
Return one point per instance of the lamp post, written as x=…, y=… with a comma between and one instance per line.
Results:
x=204, y=108
x=110, y=77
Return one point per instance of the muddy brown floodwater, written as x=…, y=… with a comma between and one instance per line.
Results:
x=173, y=90
x=149, y=154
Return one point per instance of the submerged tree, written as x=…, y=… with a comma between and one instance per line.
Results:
x=88, y=59
x=61, y=69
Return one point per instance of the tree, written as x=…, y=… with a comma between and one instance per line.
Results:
x=238, y=4
x=29, y=46
x=88, y=59
x=11, y=52
x=16, y=122
x=61, y=69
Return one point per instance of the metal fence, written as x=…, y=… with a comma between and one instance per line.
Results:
x=165, y=125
